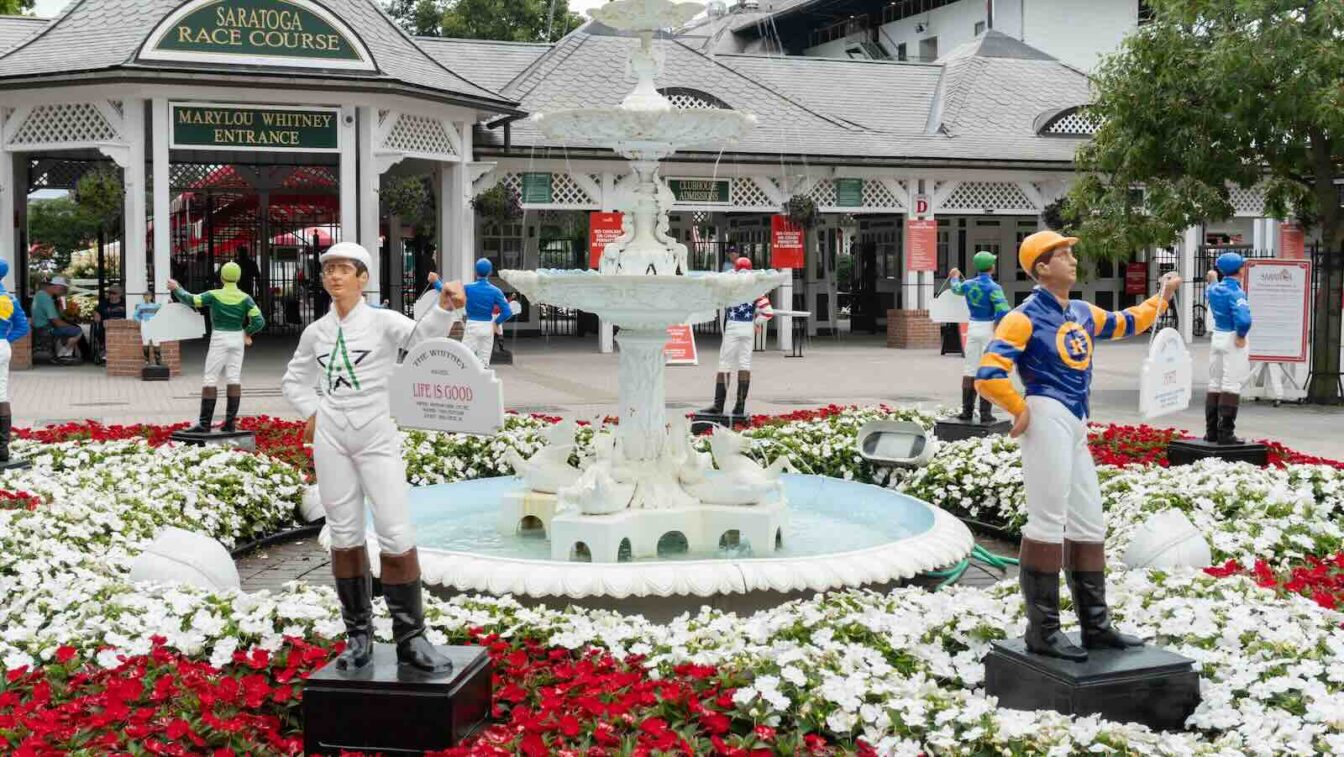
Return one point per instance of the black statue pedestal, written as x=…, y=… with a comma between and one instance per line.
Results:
x=1147, y=685
x=702, y=422
x=154, y=373
x=245, y=440
x=383, y=708
x=954, y=429
x=1187, y=451
x=15, y=463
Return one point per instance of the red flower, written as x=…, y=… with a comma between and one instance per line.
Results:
x=65, y=654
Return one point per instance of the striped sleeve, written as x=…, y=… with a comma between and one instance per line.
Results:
x=764, y=310
x=1000, y=303
x=1128, y=322
x=991, y=381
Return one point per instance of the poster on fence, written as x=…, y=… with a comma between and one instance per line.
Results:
x=680, y=347
x=1279, y=292
x=603, y=229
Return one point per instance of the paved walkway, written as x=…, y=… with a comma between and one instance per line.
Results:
x=564, y=375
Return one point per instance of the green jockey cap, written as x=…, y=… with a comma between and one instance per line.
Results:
x=985, y=260
x=230, y=273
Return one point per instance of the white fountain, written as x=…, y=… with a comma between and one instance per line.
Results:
x=645, y=479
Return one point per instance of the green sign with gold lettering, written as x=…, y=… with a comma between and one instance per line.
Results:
x=700, y=191
x=288, y=32
x=237, y=127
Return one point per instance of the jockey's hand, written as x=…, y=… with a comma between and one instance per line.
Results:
x=1020, y=423
x=172, y=285
x=310, y=429
x=1240, y=342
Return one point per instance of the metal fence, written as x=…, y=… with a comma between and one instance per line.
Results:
x=1327, y=311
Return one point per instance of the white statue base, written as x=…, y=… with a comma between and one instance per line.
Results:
x=703, y=526
x=517, y=507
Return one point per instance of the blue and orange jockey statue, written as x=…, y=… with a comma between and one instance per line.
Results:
x=13, y=327
x=1049, y=338
x=985, y=300
x=1229, y=354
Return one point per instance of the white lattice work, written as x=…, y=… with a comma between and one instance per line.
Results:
x=565, y=192
x=745, y=193
x=419, y=134
x=693, y=99
x=67, y=123
x=1074, y=124
x=876, y=194
x=986, y=195
x=823, y=194
x=205, y=175
x=1247, y=201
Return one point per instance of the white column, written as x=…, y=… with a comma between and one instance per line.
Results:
x=349, y=176
x=1185, y=266
x=606, y=331
x=9, y=236
x=133, y=242
x=784, y=301
x=466, y=231
x=456, y=198
x=163, y=226
x=1257, y=234
x=1272, y=235
x=447, y=220
x=368, y=201
x=396, y=263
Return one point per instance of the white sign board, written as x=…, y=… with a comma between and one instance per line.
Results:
x=1166, y=378
x=174, y=322
x=949, y=307
x=1279, y=292
x=423, y=305
x=441, y=386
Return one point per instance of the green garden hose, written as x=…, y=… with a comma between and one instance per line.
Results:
x=978, y=554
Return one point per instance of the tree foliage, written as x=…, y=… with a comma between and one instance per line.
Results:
x=62, y=226
x=506, y=20
x=15, y=7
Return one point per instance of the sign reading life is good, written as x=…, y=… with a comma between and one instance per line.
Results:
x=267, y=32
x=239, y=127
x=441, y=386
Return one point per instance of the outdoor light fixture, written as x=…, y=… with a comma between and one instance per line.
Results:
x=900, y=444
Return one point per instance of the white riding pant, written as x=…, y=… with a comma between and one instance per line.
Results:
x=225, y=358
x=978, y=336
x=1063, y=495
x=479, y=337
x=5, y=352
x=1229, y=365
x=739, y=339
x=354, y=463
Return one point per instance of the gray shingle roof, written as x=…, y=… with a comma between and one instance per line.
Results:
x=486, y=63
x=108, y=34
x=15, y=29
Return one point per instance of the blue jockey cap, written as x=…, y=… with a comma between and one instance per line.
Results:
x=484, y=268
x=1229, y=263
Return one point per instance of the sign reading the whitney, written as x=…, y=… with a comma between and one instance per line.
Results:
x=441, y=386
x=274, y=32
x=240, y=127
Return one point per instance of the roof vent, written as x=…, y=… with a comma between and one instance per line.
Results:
x=749, y=5
x=716, y=8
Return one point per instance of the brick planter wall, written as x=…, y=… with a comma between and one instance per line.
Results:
x=912, y=329
x=21, y=354
x=125, y=355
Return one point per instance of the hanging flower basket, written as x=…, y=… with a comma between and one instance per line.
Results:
x=498, y=203
x=801, y=210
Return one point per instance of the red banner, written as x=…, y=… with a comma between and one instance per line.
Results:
x=680, y=346
x=921, y=244
x=786, y=243
x=1136, y=278
x=1292, y=242
x=603, y=228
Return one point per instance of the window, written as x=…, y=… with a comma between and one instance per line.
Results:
x=900, y=52
x=900, y=9
x=979, y=28
x=928, y=49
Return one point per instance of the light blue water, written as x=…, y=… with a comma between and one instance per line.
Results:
x=826, y=515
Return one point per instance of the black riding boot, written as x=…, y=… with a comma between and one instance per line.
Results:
x=207, y=415
x=230, y=414
x=967, y=400
x=986, y=411
x=354, y=587
x=1211, y=417
x=743, y=386
x=1085, y=571
x=6, y=423
x=1039, y=579
x=720, y=397
x=406, y=604
x=1227, y=419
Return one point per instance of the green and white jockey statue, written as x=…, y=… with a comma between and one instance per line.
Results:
x=234, y=318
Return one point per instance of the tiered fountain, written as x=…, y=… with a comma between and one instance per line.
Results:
x=752, y=535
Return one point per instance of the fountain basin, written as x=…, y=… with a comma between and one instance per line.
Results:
x=643, y=302
x=839, y=534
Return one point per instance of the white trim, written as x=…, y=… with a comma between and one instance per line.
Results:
x=172, y=119
x=150, y=52
x=163, y=240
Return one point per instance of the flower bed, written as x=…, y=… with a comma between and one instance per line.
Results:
x=93, y=662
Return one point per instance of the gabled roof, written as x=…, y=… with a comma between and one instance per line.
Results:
x=94, y=38
x=487, y=63
x=15, y=29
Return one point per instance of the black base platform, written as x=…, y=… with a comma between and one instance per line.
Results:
x=240, y=439
x=154, y=373
x=1147, y=685
x=702, y=422
x=16, y=463
x=953, y=429
x=1187, y=451
x=386, y=709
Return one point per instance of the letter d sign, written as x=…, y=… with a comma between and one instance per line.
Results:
x=921, y=205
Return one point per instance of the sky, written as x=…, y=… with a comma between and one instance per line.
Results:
x=49, y=8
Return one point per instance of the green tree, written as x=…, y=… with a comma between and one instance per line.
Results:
x=59, y=223
x=507, y=20
x=15, y=7
x=1211, y=93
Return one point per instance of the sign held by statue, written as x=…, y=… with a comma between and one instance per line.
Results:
x=441, y=386
x=1165, y=380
